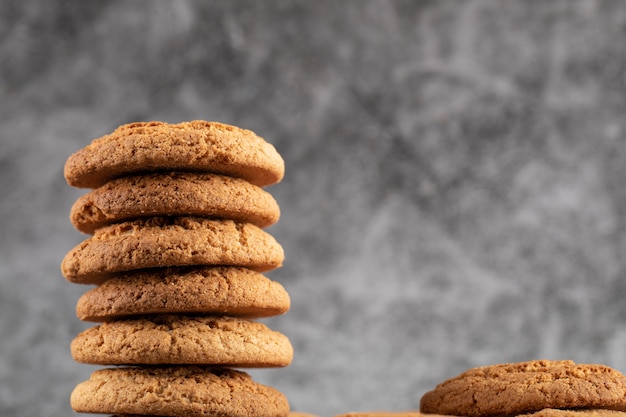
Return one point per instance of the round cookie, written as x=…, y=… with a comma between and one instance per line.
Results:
x=188, y=146
x=230, y=291
x=183, y=340
x=525, y=387
x=170, y=241
x=188, y=391
x=174, y=194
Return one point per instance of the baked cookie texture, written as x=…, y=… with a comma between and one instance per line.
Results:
x=552, y=412
x=177, y=391
x=197, y=146
x=231, y=291
x=291, y=414
x=174, y=194
x=176, y=214
x=385, y=414
x=527, y=387
x=170, y=241
x=172, y=339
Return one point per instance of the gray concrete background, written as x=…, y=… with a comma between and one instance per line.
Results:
x=455, y=192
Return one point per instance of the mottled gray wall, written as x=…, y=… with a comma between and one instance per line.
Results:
x=455, y=191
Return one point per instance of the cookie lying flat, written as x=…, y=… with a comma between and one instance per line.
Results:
x=188, y=146
x=162, y=241
x=174, y=194
x=177, y=391
x=519, y=388
x=174, y=339
x=551, y=412
x=291, y=414
x=229, y=291
x=386, y=414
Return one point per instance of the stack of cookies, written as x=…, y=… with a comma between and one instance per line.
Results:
x=176, y=213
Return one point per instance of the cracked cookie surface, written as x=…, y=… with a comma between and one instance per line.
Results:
x=526, y=387
x=188, y=391
x=552, y=412
x=230, y=291
x=385, y=414
x=164, y=242
x=197, y=146
x=174, y=194
x=174, y=339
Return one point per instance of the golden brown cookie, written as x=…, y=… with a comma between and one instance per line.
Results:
x=526, y=387
x=174, y=340
x=291, y=414
x=385, y=414
x=165, y=241
x=188, y=391
x=594, y=412
x=230, y=291
x=174, y=194
x=197, y=146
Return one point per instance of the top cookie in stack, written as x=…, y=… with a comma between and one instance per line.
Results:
x=176, y=214
x=196, y=146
